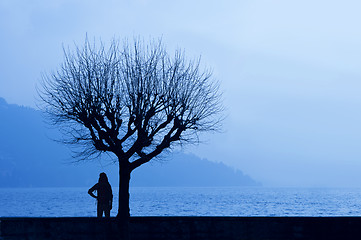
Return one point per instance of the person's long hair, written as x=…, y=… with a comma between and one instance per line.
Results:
x=104, y=188
x=103, y=179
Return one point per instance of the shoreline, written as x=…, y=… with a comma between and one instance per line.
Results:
x=141, y=228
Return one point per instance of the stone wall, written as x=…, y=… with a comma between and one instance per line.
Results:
x=197, y=228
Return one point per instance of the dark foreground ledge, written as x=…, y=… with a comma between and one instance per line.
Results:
x=197, y=228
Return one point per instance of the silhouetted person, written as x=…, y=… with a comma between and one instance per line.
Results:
x=104, y=195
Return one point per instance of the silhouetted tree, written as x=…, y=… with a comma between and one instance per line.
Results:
x=133, y=100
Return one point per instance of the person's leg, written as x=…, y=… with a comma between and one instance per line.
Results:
x=107, y=212
x=99, y=211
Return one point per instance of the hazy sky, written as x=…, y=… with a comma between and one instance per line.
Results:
x=290, y=72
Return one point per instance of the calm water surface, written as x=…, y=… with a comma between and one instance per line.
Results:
x=232, y=201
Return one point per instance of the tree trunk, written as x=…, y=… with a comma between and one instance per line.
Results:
x=123, y=204
x=124, y=179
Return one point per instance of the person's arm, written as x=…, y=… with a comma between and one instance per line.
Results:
x=91, y=190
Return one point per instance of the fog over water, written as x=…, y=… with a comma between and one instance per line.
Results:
x=290, y=72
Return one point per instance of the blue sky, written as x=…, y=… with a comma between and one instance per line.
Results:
x=290, y=72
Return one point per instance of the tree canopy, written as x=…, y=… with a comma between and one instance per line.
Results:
x=132, y=101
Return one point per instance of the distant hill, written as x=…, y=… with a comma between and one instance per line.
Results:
x=29, y=158
x=189, y=170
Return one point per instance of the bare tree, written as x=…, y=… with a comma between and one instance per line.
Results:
x=133, y=100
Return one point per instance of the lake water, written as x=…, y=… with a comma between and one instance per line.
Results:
x=227, y=201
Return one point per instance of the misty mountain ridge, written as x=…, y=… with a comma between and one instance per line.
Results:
x=29, y=158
